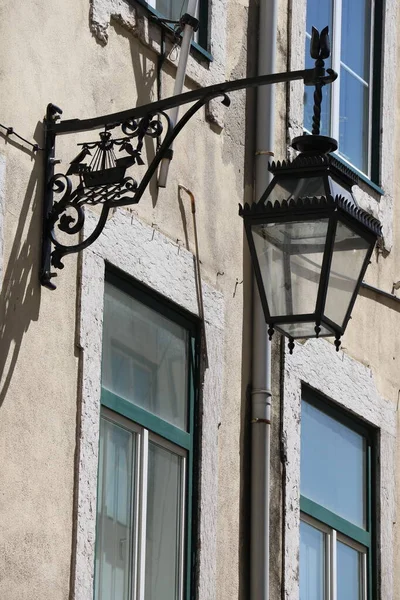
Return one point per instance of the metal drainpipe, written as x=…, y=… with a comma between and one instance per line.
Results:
x=178, y=87
x=261, y=352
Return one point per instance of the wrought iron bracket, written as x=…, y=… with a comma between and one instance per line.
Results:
x=103, y=181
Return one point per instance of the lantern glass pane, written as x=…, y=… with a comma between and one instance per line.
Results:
x=349, y=253
x=303, y=330
x=290, y=258
x=337, y=189
x=287, y=188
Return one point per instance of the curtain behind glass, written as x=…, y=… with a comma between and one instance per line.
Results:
x=114, y=527
x=164, y=524
x=312, y=563
x=349, y=573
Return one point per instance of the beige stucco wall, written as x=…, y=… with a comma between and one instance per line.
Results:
x=50, y=55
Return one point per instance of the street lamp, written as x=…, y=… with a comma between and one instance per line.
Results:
x=309, y=241
x=98, y=176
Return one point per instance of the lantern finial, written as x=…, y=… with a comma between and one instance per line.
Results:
x=316, y=144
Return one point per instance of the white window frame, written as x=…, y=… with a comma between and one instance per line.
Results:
x=332, y=536
x=139, y=502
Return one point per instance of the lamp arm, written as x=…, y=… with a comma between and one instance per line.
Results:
x=110, y=195
x=108, y=186
x=311, y=77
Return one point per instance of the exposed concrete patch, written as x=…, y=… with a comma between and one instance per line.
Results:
x=351, y=385
x=153, y=259
x=134, y=18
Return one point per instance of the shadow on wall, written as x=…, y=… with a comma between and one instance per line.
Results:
x=20, y=292
x=144, y=68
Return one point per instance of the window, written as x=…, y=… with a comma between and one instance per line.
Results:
x=350, y=108
x=144, y=506
x=336, y=505
x=170, y=9
x=174, y=9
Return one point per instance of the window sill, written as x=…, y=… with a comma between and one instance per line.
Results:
x=360, y=175
x=196, y=48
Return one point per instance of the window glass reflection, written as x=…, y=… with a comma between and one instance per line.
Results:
x=145, y=357
x=333, y=465
x=114, y=528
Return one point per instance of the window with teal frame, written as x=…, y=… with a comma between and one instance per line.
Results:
x=174, y=9
x=146, y=453
x=336, y=523
x=351, y=106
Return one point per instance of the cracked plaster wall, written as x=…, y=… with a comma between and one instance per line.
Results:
x=351, y=385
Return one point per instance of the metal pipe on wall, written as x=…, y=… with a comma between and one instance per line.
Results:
x=261, y=352
x=178, y=86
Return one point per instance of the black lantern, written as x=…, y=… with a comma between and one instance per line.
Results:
x=310, y=243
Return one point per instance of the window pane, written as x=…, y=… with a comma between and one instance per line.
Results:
x=290, y=257
x=145, y=357
x=304, y=330
x=354, y=120
x=312, y=560
x=319, y=14
x=164, y=524
x=333, y=465
x=172, y=9
x=114, y=528
x=356, y=36
x=349, y=573
x=349, y=252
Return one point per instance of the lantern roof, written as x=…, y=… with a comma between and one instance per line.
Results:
x=294, y=206
x=310, y=243
x=316, y=163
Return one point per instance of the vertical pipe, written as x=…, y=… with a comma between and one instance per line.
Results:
x=178, y=87
x=261, y=358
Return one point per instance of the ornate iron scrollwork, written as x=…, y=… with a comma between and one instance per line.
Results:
x=98, y=174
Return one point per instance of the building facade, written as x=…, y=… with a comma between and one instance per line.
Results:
x=125, y=393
